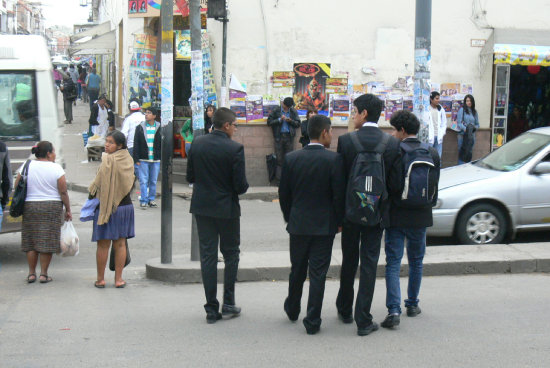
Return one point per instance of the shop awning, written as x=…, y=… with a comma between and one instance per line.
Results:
x=103, y=44
x=94, y=31
x=516, y=47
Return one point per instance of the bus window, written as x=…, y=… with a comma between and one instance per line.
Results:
x=18, y=102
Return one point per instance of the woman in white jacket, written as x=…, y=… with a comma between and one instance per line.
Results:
x=437, y=119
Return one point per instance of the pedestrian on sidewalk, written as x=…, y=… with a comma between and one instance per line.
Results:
x=362, y=241
x=93, y=84
x=216, y=167
x=57, y=76
x=73, y=73
x=114, y=217
x=5, y=179
x=409, y=217
x=311, y=196
x=99, y=117
x=437, y=123
x=208, y=115
x=83, y=87
x=468, y=122
x=43, y=212
x=147, y=151
x=69, y=96
x=130, y=124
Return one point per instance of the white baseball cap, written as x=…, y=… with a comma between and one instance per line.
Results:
x=134, y=106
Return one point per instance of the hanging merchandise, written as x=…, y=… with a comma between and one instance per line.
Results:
x=144, y=69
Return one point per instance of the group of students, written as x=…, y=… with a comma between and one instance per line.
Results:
x=374, y=182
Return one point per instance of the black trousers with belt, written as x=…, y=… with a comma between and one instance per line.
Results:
x=358, y=243
x=226, y=232
x=313, y=252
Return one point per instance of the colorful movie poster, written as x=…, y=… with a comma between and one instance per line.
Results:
x=408, y=103
x=360, y=89
x=132, y=6
x=151, y=8
x=393, y=104
x=239, y=108
x=340, y=105
x=467, y=89
x=447, y=104
x=254, y=109
x=449, y=89
x=283, y=79
x=268, y=106
x=183, y=44
x=309, y=89
x=144, y=71
x=237, y=95
x=337, y=85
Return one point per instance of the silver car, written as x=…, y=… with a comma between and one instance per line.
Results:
x=507, y=191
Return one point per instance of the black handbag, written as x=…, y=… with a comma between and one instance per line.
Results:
x=112, y=257
x=20, y=194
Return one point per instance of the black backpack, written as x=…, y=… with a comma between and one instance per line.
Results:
x=419, y=174
x=69, y=89
x=366, y=191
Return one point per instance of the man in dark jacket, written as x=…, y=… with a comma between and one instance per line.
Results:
x=358, y=241
x=215, y=166
x=5, y=183
x=283, y=121
x=407, y=223
x=147, y=152
x=69, y=96
x=311, y=195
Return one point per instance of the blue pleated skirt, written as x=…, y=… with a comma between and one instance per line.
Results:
x=120, y=225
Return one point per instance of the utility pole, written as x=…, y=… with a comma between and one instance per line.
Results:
x=167, y=127
x=422, y=60
x=223, y=89
x=197, y=98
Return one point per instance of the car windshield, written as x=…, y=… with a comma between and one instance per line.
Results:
x=19, y=118
x=515, y=153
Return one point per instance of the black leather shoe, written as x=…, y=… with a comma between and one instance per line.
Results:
x=345, y=319
x=230, y=311
x=313, y=330
x=392, y=320
x=364, y=331
x=213, y=317
x=291, y=316
x=413, y=311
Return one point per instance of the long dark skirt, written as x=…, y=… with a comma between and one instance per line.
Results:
x=42, y=226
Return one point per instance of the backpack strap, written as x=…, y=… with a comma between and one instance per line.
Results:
x=379, y=148
x=356, y=143
x=25, y=170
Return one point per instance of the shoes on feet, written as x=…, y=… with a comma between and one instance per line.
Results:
x=44, y=279
x=413, y=311
x=293, y=317
x=143, y=205
x=31, y=278
x=213, y=317
x=345, y=319
x=392, y=320
x=231, y=311
x=364, y=331
x=153, y=204
x=312, y=330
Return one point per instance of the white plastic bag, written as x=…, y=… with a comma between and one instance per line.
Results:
x=69, y=240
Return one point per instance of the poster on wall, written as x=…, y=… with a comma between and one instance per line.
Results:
x=137, y=6
x=408, y=103
x=337, y=85
x=283, y=79
x=467, y=89
x=340, y=106
x=254, y=109
x=239, y=108
x=152, y=8
x=309, y=90
x=457, y=104
x=393, y=104
x=449, y=89
x=144, y=71
x=269, y=105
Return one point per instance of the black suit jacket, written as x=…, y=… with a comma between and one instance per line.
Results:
x=215, y=165
x=312, y=191
x=369, y=137
x=273, y=120
x=401, y=216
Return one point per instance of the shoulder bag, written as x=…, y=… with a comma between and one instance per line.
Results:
x=20, y=194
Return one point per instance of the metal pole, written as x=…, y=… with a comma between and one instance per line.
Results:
x=422, y=60
x=197, y=104
x=167, y=128
x=223, y=89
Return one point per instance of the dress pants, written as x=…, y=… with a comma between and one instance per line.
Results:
x=226, y=232
x=358, y=242
x=282, y=147
x=93, y=94
x=315, y=252
x=68, y=109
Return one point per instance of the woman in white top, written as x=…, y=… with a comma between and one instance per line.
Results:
x=42, y=216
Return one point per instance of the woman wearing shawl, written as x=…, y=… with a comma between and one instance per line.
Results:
x=114, y=217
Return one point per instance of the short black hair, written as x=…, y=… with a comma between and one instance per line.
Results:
x=118, y=137
x=153, y=110
x=406, y=120
x=223, y=115
x=316, y=125
x=288, y=102
x=372, y=104
x=434, y=94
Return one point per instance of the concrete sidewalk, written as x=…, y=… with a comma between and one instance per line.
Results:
x=439, y=261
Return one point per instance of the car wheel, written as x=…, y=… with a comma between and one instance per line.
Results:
x=481, y=224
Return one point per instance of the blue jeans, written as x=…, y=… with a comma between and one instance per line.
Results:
x=148, y=173
x=1, y=216
x=416, y=247
x=438, y=146
x=460, y=138
x=187, y=148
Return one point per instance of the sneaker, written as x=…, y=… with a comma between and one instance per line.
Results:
x=143, y=205
x=413, y=311
x=152, y=204
x=392, y=320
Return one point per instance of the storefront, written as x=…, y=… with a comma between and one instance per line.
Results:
x=521, y=88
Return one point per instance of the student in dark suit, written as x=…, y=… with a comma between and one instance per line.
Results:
x=216, y=167
x=311, y=195
x=363, y=242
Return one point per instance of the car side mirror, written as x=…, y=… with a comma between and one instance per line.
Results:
x=542, y=168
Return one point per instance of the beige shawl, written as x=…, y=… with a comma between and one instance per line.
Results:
x=114, y=180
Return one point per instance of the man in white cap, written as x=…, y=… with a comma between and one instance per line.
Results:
x=129, y=125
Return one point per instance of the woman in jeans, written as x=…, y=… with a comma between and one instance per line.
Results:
x=114, y=217
x=43, y=213
x=466, y=115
